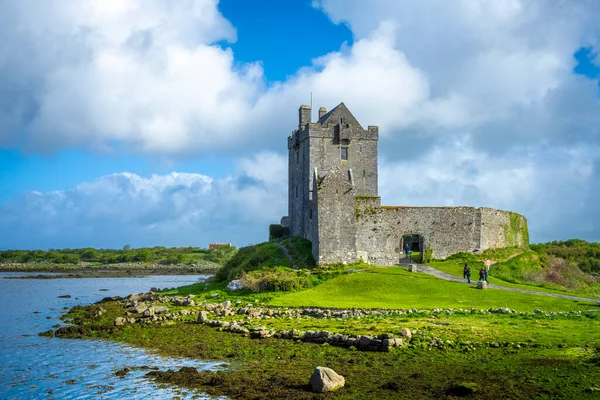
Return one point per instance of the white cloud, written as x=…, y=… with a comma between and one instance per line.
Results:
x=476, y=101
x=171, y=210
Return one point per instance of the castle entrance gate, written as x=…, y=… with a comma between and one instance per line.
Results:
x=416, y=247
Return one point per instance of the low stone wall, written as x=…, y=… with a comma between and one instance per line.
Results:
x=249, y=320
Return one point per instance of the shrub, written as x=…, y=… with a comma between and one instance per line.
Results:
x=276, y=231
x=276, y=279
x=252, y=258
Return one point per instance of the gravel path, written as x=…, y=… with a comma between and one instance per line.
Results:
x=443, y=275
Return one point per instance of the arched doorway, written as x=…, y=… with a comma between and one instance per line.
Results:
x=416, y=247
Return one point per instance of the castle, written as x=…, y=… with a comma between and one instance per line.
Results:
x=333, y=202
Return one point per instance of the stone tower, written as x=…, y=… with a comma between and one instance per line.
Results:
x=335, y=145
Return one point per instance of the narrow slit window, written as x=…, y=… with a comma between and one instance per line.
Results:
x=344, y=153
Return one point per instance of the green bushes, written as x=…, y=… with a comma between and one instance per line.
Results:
x=252, y=258
x=275, y=279
x=159, y=254
x=277, y=231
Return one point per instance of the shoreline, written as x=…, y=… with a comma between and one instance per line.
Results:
x=103, y=270
x=103, y=274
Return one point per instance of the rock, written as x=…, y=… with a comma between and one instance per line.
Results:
x=179, y=301
x=364, y=341
x=140, y=308
x=153, y=289
x=133, y=297
x=482, y=285
x=149, y=312
x=184, y=312
x=120, y=321
x=236, y=284
x=189, y=302
x=160, y=310
x=406, y=332
x=202, y=317
x=226, y=304
x=325, y=379
x=413, y=268
x=65, y=296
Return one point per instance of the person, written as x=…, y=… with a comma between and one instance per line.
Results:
x=487, y=269
x=467, y=273
x=481, y=274
x=407, y=251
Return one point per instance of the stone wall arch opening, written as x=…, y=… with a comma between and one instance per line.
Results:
x=415, y=244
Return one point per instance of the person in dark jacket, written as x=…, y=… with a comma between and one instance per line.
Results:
x=481, y=274
x=467, y=273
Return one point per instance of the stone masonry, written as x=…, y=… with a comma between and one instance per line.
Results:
x=333, y=201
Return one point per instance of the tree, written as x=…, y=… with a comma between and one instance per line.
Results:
x=127, y=247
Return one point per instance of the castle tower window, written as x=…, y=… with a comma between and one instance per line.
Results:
x=344, y=153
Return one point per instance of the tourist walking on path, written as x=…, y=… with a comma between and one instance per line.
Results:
x=407, y=251
x=487, y=269
x=481, y=274
x=467, y=273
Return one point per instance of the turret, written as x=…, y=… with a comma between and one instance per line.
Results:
x=322, y=111
x=303, y=116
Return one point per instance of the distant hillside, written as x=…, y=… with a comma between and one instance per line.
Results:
x=159, y=255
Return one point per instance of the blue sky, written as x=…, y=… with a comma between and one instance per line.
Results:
x=165, y=123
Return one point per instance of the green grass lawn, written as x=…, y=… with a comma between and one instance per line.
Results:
x=394, y=287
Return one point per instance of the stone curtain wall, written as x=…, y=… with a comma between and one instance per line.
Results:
x=445, y=230
x=503, y=229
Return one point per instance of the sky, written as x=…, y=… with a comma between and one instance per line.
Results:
x=165, y=123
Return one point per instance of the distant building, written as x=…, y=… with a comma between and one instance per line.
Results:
x=214, y=246
x=333, y=201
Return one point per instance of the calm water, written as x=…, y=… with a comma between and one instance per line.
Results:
x=33, y=367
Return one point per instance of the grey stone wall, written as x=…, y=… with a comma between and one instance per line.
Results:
x=503, y=229
x=445, y=230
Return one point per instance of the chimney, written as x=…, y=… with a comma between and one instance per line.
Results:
x=322, y=111
x=303, y=116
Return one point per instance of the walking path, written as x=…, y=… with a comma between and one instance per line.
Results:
x=443, y=275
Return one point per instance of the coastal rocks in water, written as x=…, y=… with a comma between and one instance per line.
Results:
x=122, y=372
x=325, y=379
x=133, y=297
x=65, y=296
x=120, y=321
x=235, y=284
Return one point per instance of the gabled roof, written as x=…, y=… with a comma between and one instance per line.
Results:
x=336, y=114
